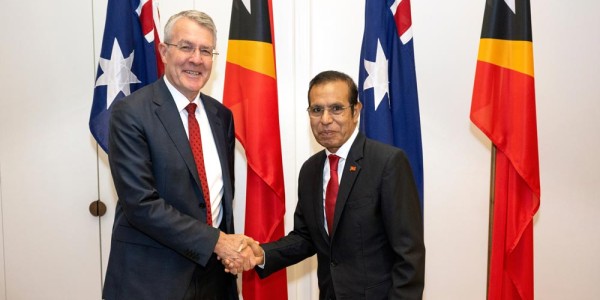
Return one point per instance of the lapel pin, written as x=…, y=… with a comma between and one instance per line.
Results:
x=352, y=168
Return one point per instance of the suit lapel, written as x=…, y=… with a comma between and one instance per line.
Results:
x=217, y=128
x=167, y=113
x=316, y=186
x=351, y=170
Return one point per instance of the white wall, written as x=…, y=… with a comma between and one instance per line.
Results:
x=47, y=163
x=568, y=92
x=312, y=36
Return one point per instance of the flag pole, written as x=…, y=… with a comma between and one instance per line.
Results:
x=491, y=217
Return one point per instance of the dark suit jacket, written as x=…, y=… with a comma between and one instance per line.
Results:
x=376, y=250
x=160, y=233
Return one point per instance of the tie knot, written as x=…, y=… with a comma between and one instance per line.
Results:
x=191, y=108
x=333, y=161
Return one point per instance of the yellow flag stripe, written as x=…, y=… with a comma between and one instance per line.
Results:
x=514, y=55
x=252, y=55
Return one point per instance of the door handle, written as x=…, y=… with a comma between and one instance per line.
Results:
x=97, y=208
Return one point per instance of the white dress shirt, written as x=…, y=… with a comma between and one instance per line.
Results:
x=212, y=163
x=342, y=152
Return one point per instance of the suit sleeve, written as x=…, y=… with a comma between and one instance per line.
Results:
x=294, y=247
x=145, y=209
x=402, y=218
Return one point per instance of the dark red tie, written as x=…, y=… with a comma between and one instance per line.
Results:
x=332, y=191
x=196, y=144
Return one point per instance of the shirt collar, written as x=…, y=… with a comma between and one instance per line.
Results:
x=180, y=100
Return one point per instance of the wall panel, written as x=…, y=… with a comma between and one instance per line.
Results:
x=48, y=169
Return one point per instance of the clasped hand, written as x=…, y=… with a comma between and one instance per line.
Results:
x=238, y=252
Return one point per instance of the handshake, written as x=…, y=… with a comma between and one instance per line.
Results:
x=238, y=252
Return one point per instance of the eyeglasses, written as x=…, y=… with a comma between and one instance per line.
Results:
x=190, y=49
x=318, y=111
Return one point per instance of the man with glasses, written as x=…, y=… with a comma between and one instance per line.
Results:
x=358, y=207
x=171, y=151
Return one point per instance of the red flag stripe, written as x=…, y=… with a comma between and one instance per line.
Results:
x=504, y=109
x=511, y=263
x=249, y=96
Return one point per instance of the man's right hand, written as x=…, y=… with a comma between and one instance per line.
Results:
x=259, y=253
x=233, y=249
x=254, y=253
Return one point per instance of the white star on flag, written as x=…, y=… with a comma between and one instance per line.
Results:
x=378, y=76
x=117, y=75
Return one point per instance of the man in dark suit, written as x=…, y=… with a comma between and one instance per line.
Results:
x=369, y=240
x=174, y=214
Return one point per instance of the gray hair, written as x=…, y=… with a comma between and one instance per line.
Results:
x=199, y=17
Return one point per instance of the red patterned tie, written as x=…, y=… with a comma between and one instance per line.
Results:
x=196, y=144
x=332, y=191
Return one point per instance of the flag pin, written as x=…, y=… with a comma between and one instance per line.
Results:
x=352, y=168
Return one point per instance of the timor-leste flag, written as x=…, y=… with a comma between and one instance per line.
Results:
x=503, y=108
x=251, y=93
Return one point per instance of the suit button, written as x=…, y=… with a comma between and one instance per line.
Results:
x=202, y=205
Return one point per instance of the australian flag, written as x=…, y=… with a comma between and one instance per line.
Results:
x=128, y=59
x=387, y=83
